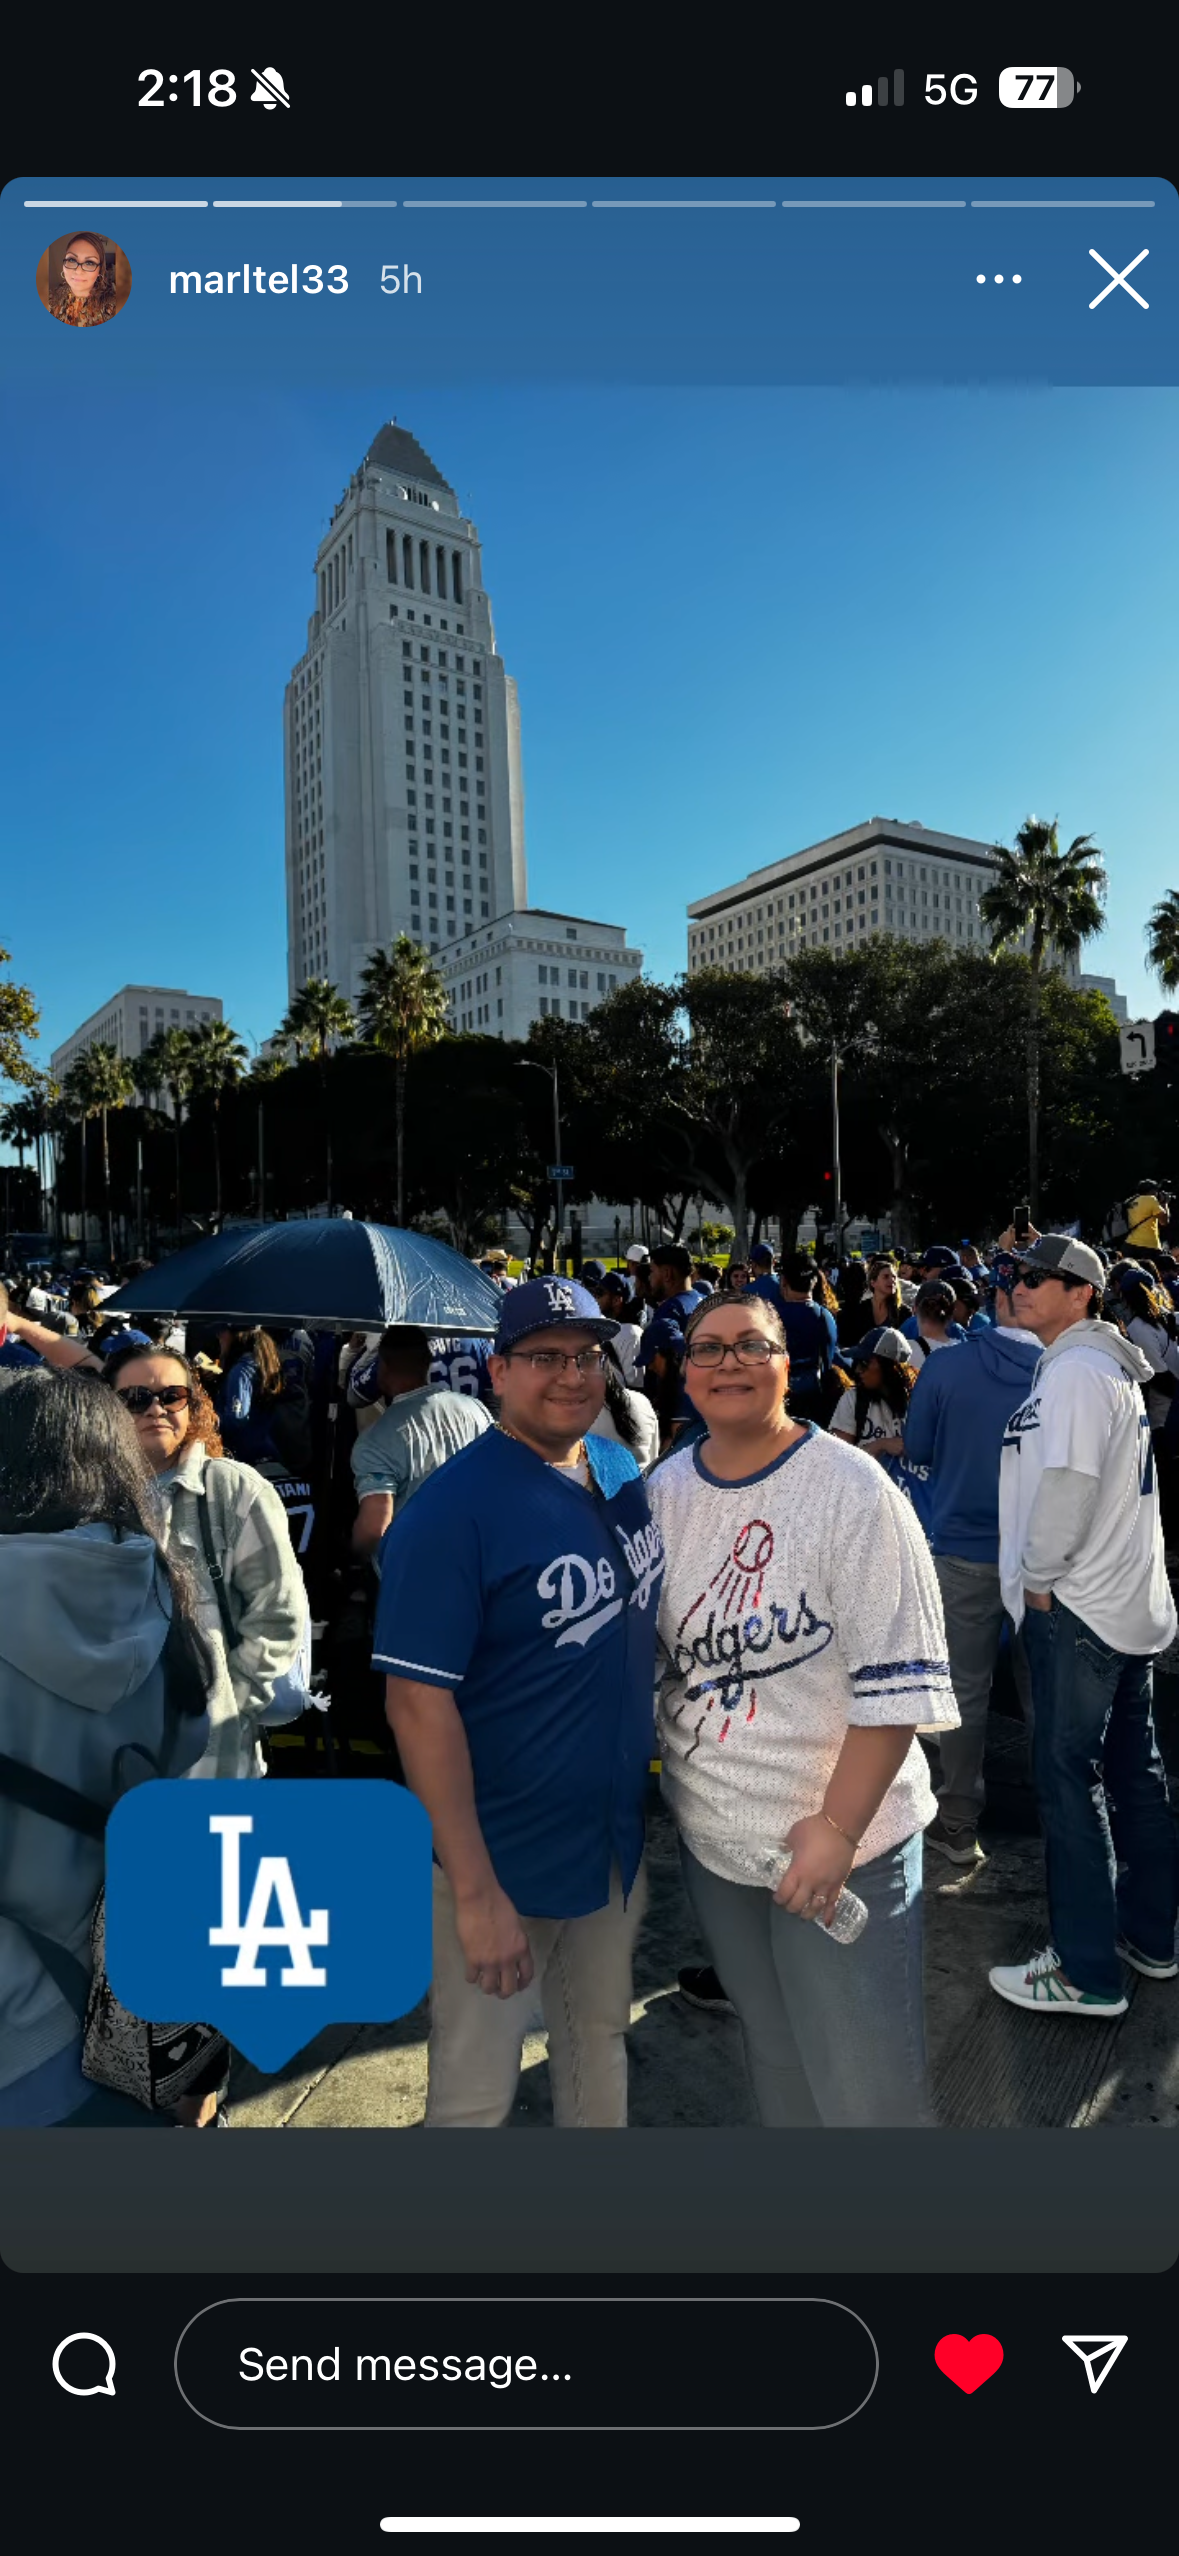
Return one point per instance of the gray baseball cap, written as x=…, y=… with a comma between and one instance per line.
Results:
x=1065, y=1257
x=883, y=1341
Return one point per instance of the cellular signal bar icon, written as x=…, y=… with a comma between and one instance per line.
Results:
x=877, y=90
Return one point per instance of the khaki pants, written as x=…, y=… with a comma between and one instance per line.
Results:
x=583, y=1971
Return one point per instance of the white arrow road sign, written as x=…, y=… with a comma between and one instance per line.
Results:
x=1137, y=1039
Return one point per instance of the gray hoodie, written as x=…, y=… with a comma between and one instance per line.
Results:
x=83, y=1621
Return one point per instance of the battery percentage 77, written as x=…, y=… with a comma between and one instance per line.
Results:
x=1055, y=88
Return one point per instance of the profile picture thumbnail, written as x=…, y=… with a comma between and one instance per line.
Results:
x=83, y=279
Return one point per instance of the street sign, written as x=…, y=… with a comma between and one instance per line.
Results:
x=560, y=1171
x=1137, y=1038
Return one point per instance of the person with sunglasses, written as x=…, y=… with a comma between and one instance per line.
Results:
x=223, y=1518
x=1081, y=1567
x=84, y=293
x=516, y=1630
x=802, y=1647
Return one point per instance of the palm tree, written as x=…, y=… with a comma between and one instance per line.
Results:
x=102, y=1080
x=217, y=1058
x=18, y=1127
x=1053, y=899
x=41, y=1098
x=15, y=1129
x=402, y=1008
x=318, y=1021
x=165, y=1064
x=1162, y=940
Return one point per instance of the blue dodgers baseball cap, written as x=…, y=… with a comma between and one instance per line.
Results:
x=761, y=1257
x=127, y=1339
x=938, y=1256
x=545, y=1304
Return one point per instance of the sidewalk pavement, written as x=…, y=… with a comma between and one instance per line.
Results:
x=991, y=2065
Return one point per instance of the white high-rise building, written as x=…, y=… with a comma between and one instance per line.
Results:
x=131, y=1019
x=534, y=966
x=404, y=782
x=881, y=876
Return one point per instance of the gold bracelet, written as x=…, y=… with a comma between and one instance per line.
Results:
x=840, y=1832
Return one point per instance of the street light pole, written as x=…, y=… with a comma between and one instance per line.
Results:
x=835, y=1163
x=558, y=1185
x=532, y=1065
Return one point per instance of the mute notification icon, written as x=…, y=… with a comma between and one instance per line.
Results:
x=269, y=91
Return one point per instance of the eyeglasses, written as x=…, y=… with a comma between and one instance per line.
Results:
x=753, y=1351
x=552, y=1362
x=1036, y=1277
x=80, y=265
x=139, y=1398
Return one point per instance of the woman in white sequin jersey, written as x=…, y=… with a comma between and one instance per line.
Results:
x=802, y=1647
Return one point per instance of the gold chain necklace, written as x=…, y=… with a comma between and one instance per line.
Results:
x=580, y=1453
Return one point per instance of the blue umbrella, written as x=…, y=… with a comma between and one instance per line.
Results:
x=332, y=1271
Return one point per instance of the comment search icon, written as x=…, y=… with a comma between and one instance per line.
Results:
x=105, y=2386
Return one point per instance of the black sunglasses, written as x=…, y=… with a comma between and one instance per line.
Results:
x=1037, y=1277
x=138, y=1398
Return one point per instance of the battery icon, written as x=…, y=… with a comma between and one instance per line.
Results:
x=1037, y=88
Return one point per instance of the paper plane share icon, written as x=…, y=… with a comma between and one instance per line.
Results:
x=1098, y=2352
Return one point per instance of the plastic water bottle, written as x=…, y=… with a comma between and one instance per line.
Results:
x=851, y=1916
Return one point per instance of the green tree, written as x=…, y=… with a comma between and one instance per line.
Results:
x=1056, y=897
x=743, y=1062
x=318, y=1022
x=217, y=1058
x=43, y=1095
x=101, y=1080
x=1162, y=940
x=165, y=1065
x=15, y=1128
x=19, y=1022
x=402, y=1010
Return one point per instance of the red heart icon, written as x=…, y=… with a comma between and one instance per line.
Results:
x=970, y=2362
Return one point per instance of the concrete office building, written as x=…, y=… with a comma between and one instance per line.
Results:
x=532, y=965
x=132, y=1018
x=1108, y=986
x=401, y=730
x=881, y=876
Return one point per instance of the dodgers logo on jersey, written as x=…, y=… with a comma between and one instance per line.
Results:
x=585, y=1599
x=645, y=1556
x=311, y=1907
x=586, y=1593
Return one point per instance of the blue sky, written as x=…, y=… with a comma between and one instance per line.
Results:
x=739, y=621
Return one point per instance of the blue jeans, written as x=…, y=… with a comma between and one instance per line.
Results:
x=1110, y=1845
x=834, y=2034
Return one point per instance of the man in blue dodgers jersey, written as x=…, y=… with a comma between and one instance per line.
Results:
x=1081, y=1567
x=516, y=1627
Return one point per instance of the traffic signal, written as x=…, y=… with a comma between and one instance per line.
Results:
x=1166, y=1042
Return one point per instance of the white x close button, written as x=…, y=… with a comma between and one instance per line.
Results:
x=1119, y=278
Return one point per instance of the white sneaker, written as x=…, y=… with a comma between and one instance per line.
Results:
x=1146, y=1962
x=1041, y=1985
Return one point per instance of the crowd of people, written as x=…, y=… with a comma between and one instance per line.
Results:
x=749, y=1522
